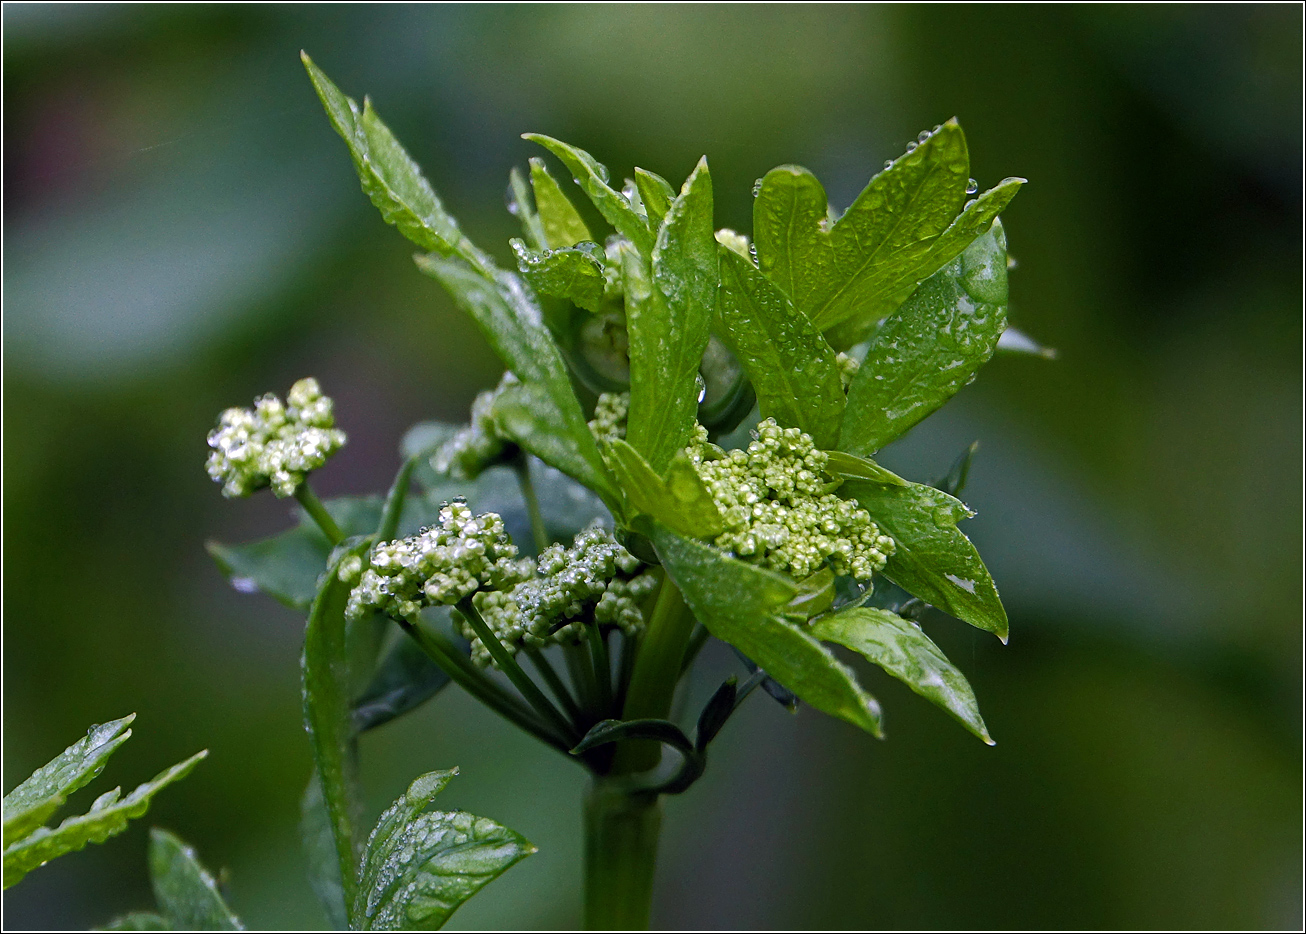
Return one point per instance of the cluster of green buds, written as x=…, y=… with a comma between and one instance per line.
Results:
x=595, y=579
x=478, y=444
x=609, y=421
x=274, y=444
x=848, y=367
x=437, y=566
x=779, y=511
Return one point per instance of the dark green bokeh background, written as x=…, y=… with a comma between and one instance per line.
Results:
x=183, y=231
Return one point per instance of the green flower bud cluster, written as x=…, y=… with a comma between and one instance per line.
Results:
x=478, y=445
x=848, y=367
x=777, y=511
x=439, y=565
x=594, y=577
x=609, y=421
x=274, y=444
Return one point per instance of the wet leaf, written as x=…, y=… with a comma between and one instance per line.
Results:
x=185, y=891
x=681, y=501
x=573, y=274
x=933, y=559
x=656, y=193
x=563, y=226
x=319, y=843
x=930, y=347
x=901, y=648
x=792, y=369
x=668, y=317
x=592, y=177
x=419, y=868
x=747, y=607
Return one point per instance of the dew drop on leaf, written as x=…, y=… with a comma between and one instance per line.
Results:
x=912, y=146
x=923, y=136
x=972, y=186
x=757, y=187
x=888, y=163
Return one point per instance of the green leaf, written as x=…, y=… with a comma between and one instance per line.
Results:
x=573, y=274
x=320, y=851
x=792, y=369
x=933, y=559
x=563, y=226
x=35, y=800
x=592, y=177
x=542, y=414
x=930, y=347
x=900, y=647
x=747, y=607
x=668, y=318
x=184, y=889
x=663, y=731
x=287, y=565
x=657, y=195
x=681, y=501
x=816, y=594
x=138, y=921
x=520, y=207
x=108, y=815
x=419, y=868
x=389, y=175
x=327, y=712
x=405, y=679
x=841, y=464
x=898, y=231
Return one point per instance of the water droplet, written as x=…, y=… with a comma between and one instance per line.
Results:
x=244, y=584
x=757, y=188
x=510, y=200
x=972, y=186
x=888, y=163
x=752, y=251
x=937, y=128
x=911, y=147
x=922, y=136
x=969, y=203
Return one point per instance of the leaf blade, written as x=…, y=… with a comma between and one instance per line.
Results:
x=184, y=889
x=592, y=177
x=563, y=225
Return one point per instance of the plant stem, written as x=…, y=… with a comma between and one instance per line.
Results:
x=508, y=665
x=602, y=667
x=313, y=506
x=582, y=676
x=621, y=848
x=657, y=670
x=555, y=683
x=475, y=683
x=696, y=643
x=522, y=468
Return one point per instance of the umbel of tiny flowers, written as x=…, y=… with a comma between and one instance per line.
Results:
x=277, y=445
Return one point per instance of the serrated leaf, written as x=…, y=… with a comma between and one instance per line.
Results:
x=901, y=648
x=184, y=889
x=138, y=921
x=287, y=566
x=657, y=195
x=419, y=868
x=563, y=226
x=404, y=680
x=669, y=306
x=108, y=815
x=541, y=414
x=35, y=800
x=681, y=501
x=930, y=347
x=933, y=559
x=746, y=606
x=792, y=369
x=319, y=843
x=573, y=274
x=592, y=176
x=390, y=177
x=327, y=713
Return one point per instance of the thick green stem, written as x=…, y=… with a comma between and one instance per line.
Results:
x=657, y=670
x=317, y=512
x=621, y=849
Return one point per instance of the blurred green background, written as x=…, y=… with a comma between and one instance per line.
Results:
x=183, y=231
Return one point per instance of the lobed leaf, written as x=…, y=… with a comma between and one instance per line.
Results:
x=108, y=815
x=419, y=868
x=542, y=414
x=669, y=306
x=930, y=347
x=35, y=800
x=681, y=501
x=390, y=177
x=792, y=369
x=562, y=223
x=933, y=559
x=747, y=607
x=573, y=274
x=184, y=890
x=901, y=648
x=592, y=177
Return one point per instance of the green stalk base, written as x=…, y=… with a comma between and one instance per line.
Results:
x=621, y=849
